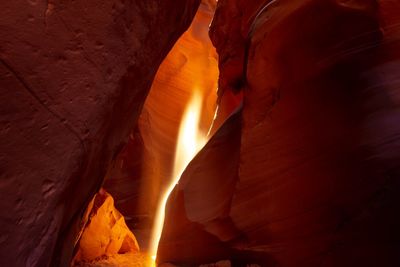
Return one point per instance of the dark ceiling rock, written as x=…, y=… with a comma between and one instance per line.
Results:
x=74, y=77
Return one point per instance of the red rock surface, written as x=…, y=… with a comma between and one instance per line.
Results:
x=124, y=179
x=184, y=239
x=144, y=166
x=73, y=77
x=306, y=175
x=319, y=169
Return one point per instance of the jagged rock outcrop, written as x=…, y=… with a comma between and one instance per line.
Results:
x=319, y=168
x=104, y=231
x=73, y=77
x=105, y=239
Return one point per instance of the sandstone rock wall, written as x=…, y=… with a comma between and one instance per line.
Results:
x=74, y=77
x=144, y=167
x=318, y=171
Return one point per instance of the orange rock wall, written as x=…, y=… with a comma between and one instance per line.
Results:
x=104, y=232
x=191, y=65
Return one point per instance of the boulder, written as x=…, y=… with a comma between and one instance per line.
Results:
x=104, y=232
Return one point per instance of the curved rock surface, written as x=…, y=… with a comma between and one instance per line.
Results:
x=144, y=166
x=306, y=175
x=190, y=66
x=319, y=168
x=73, y=76
x=200, y=200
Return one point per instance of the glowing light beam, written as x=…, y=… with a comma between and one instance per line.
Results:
x=190, y=141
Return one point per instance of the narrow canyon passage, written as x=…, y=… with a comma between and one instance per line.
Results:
x=200, y=133
x=179, y=116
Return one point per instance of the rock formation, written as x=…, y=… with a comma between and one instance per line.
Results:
x=104, y=231
x=144, y=166
x=105, y=239
x=305, y=172
x=184, y=239
x=73, y=76
x=319, y=153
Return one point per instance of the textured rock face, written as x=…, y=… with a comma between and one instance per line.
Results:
x=124, y=181
x=121, y=260
x=319, y=172
x=228, y=33
x=105, y=239
x=105, y=232
x=306, y=175
x=318, y=169
x=144, y=167
x=190, y=66
x=73, y=79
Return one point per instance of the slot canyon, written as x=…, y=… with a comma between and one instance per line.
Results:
x=200, y=133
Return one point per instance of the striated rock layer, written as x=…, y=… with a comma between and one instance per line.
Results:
x=199, y=199
x=190, y=66
x=319, y=151
x=73, y=77
x=144, y=167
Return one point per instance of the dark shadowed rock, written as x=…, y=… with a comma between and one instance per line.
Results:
x=73, y=77
x=320, y=147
